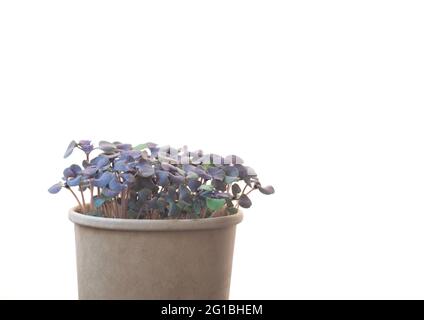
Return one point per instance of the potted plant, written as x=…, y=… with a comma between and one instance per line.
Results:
x=155, y=223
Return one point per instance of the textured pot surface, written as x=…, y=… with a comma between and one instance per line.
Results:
x=154, y=259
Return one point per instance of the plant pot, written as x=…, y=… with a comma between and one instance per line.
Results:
x=154, y=259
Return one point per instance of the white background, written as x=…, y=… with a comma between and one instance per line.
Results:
x=323, y=98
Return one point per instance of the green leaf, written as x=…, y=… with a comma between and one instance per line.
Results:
x=140, y=146
x=197, y=207
x=161, y=205
x=206, y=187
x=232, y=210
x=206, y=166
x=98, y=201
x=215, y=204
x=173, y=209
x=180, y=171
x=192, y=175
x=184, y=206
x=229, y=179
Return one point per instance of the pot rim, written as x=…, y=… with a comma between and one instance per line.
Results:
x=154, y=225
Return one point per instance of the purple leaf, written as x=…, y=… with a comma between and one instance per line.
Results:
x=267, y=189
x=107, y=147
x=100, y=161
x=168, y=167
x=250, y=172
x=244, y=201
x=216, y=173
x=70, y=148
x=130, y=154
x=235, y=188
x=217, y=159
x=154, y=151
x=202, y=173
x=121, y=165
x=124, y=146
x=223, y=195
x=242, y=170
x=176, y=179
x=109, y=193
x=76, y=169
x=128, y=177
x=189, y=168
x=185, y=194
x=104, y=180
x=146, y=170
x=162, y=178
x=144, y=194
x=231, y=171
x=204, y=159
x=55, y=188
x=74, y=182
x=86, y=146
x=115, y=184
x=146, y=183
x=233, y=159
x=68, y=173
x=194, y=185
x=89, y=171
x=84, y=142
x=219, y=185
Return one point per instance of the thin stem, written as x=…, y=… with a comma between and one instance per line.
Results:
x=203, y=213
x=118, y=208
x=108, y=210
x=250, y=191
x=111, y=211
x=73, y=193
x=140, y=213
x=123, y=195
x=127, y=200
x=83, y=201
x=238, y=203
x=109, y=214
x=91, y=196
x=115, y=208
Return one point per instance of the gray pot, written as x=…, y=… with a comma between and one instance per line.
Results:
x=154, y=259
